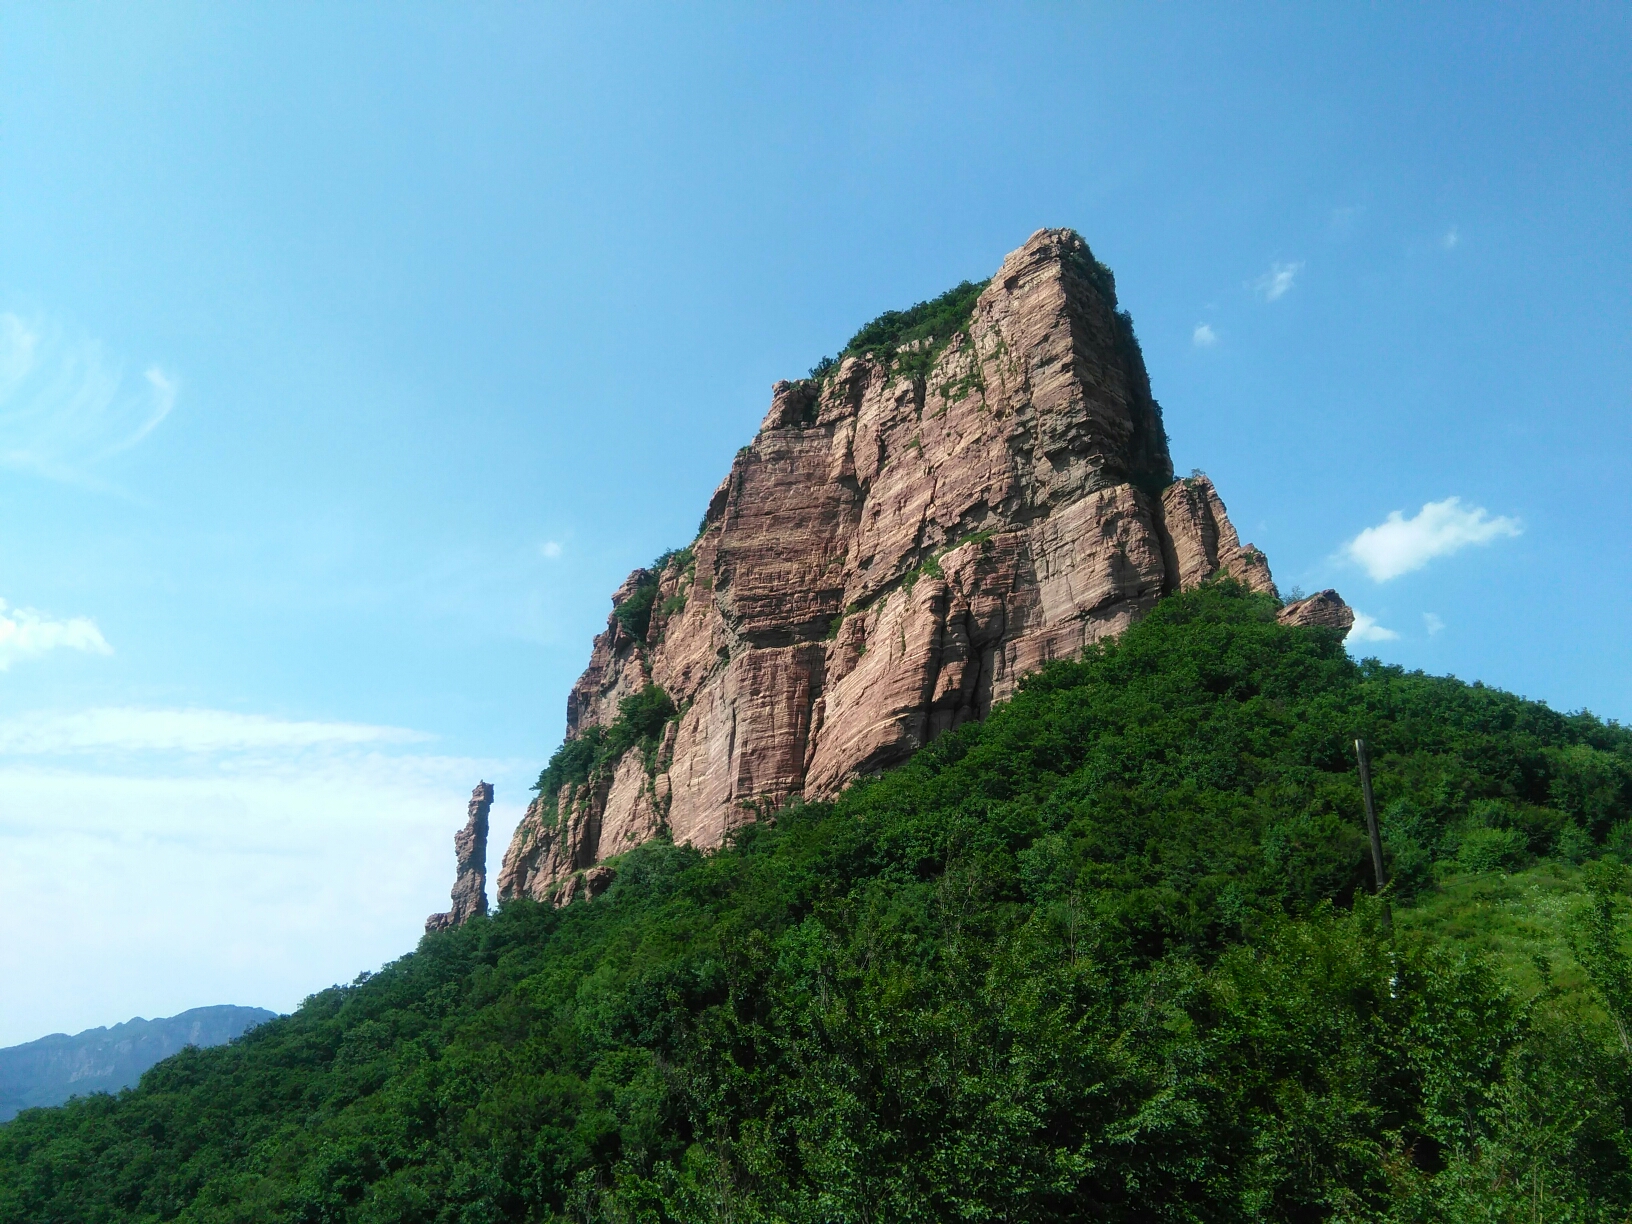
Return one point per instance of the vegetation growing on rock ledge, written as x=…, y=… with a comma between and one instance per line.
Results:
x=635, y=612
x=598, y=749
x=1103, y=956
x=923, y=330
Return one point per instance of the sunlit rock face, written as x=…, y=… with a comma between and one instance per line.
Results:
x=885, y=560
x=1323, y=608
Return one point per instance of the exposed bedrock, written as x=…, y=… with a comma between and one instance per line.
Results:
x=1325, y=608
x=469, y=892
x=884, y=561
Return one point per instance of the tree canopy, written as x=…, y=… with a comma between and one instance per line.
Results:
x=1108, y=955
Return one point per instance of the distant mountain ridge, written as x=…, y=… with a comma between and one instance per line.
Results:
x=54, y=1068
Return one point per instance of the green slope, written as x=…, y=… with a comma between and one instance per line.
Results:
x=1097, y=958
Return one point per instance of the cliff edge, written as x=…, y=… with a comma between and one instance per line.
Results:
x=909, y=533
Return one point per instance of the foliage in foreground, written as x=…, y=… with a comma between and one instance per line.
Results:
x=1098, y=957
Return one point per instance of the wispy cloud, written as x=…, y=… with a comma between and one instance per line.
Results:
x=127, y=729
x=65, y=406
x=1366, y=629
x=176, y=886
x=550, y=548
x=1399, y=545
x=26, y=633
x=1450, y=239
x=1277, y=282
x=1432, y=623
x=1204, y=336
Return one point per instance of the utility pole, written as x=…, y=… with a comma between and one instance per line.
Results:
x=1371, y=827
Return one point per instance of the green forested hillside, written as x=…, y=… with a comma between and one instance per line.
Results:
x=1100, y=957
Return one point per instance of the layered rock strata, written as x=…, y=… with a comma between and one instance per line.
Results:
x=1324, y=608
x=469, y=894
x=886, y=559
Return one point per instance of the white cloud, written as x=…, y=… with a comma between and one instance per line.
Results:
x=124, y=729
x=65, y=406
x=550, y=548
x=1400, y=545
x=204, y=856
x=1451, y=238
x=1432, y=623
x=1366, y=629
x=26, y=633
x=199, y=886
x=1277, y=282
x=1204, y=336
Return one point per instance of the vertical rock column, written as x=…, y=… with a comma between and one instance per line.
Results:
x=470, y=852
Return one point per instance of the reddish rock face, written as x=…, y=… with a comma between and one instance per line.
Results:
x=885, y=560
x=470, y=854
x=1325, y=608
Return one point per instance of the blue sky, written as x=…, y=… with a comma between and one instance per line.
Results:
x=351, y=355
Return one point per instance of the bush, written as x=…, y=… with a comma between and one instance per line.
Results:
x=1488, y=849
x=635, y=612
x=934, y=322
x=1574, y=845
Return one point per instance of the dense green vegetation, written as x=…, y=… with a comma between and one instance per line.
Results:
x=933, y=323
x=1104, y=956
x=597, y=749
x=635, y=612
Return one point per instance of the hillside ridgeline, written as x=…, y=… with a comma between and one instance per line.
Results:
x=1104, y=955
x=54, y=1068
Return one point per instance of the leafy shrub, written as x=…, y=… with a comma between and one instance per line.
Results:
x=635, y=612
x=1409, y=838
x=1491, y=849
x=1598, y=945
x=1574, y=844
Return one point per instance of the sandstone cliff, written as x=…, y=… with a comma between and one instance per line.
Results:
x=906, y=536
x=469, y=894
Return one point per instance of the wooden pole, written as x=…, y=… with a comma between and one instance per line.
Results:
x=1371, y=828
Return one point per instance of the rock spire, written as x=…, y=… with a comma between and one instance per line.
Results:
x=908, y=534
x=469, y=893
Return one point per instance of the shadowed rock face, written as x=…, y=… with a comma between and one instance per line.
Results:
x=470, y=852
x=885, y=560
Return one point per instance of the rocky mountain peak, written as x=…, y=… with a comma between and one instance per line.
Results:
x=973, y=488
